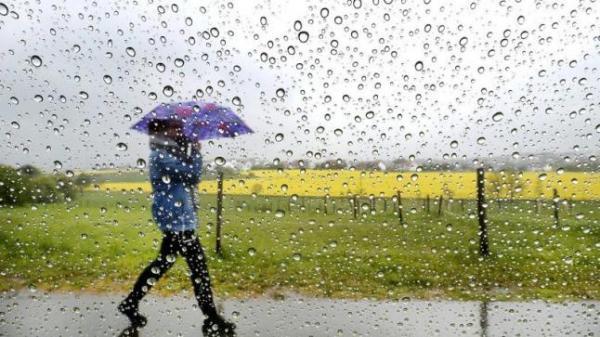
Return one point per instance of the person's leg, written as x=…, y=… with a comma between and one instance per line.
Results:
x=194, y=256
x=214, y=324
x=150, y=275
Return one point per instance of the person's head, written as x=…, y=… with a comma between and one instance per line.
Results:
x=170, y=128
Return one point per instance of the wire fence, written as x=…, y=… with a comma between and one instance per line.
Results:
x=356, y=206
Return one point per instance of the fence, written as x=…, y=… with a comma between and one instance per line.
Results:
x=355, y=205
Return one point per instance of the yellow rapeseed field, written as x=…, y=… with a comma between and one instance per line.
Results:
x=460, y=185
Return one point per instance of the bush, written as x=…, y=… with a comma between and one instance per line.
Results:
x=14, y=187
x=18, y=186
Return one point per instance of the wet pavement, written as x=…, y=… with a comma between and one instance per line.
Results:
x=36, y=314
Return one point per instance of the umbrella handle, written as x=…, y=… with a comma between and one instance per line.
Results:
x=193, y=195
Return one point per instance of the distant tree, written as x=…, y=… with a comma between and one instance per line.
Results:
x=82, y=180
x=29, y=170
x=337, y=164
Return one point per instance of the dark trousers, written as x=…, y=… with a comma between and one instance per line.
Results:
x=174, y=243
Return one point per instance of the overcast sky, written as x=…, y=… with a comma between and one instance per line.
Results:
x=372, y=80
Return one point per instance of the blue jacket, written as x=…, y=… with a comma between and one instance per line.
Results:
x=174, y=177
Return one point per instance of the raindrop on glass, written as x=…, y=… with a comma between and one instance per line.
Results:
x=168, y=91
x=121, y=146
x=303, y=36
x=130, y=51
x=498, y=116
x=36, y=61
x=220, y=161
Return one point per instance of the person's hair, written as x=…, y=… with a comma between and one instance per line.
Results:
x=159, y=126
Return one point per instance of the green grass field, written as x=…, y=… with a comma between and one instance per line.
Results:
x=100, y=242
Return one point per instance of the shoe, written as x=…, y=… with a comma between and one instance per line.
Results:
x=218, y=327
x=130, y=332
x=137, y=320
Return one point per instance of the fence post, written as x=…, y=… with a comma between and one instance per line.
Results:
x=428, y=204
x=218, y=248
x=400, y=216
x=355, y=206
x=484, y=249
x=555, y=201
x=441, y=200
x=325, y=205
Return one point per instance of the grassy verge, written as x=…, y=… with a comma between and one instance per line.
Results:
x=101, y=241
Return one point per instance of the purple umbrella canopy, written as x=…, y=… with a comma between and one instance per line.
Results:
x=201, y=120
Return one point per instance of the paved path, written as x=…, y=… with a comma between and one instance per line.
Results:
x=36, y=314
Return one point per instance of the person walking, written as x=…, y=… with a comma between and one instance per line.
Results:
x=175, y=166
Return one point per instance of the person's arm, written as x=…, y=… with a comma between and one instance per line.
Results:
x=177, y=169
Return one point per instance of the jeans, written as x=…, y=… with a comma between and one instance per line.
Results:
x=187, y=244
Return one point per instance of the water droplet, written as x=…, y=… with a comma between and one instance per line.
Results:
x=168, y=90
x=463, y=41
x=296, y=257
x=3, y=9
x=220, y=161
x=481, y=140
x=280, y=92
x=338, y=132
x=324, y=12
x=297, y=25
x=498, y=116
x=454, y=144
x=179, y=62
x=83, y=95
x=38, y=98
x=14, y=100
x=236, y=101
x=279, y=137
x=130, y=51
x=15, y=125
x=303, y=36
x=141, y=163
x=36, y=61
x=251, y=251
x=279, y=213
x=122, y=146
x=57, y=164
x=166, y=179
x=160, y=67
x=107, y=79
x=419, y=66
x=542, y=176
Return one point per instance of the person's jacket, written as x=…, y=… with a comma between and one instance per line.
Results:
x=174, y=174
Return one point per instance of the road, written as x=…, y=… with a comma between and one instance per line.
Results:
x=68, y=314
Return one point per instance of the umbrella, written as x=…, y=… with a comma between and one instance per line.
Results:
x=201, y=120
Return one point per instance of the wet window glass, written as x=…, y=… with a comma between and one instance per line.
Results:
x=299, y=168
